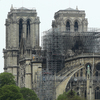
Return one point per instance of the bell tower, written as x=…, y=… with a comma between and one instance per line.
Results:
x=70, y=20
x=22, y=36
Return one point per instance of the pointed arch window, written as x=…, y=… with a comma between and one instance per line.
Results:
x=76, y=26
x=20, y=30
x=97, y=93
x=97, y=73
x=68, y=26
x=28, y=28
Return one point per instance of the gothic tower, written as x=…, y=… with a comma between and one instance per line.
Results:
x=22, y=38
x=70, y=20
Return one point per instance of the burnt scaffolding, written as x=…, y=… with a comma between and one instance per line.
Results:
x=58, y=47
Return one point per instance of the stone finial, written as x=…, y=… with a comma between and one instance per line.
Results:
x=11, y=7
x=76, y=7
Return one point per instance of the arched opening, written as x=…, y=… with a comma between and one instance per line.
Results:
x=68, y=26
x=97, y=93
x=20, y=30
x=76, y=26
x=97, y=73
x=85, y=95
x=98, y=66
x=28, y=28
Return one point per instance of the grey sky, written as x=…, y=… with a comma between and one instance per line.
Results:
x=46, y=10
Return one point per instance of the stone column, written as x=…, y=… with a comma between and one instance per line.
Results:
x=80, y=28
x=63, y=28
x=36, y=69
x=28, y=81
x=79, y=72
x=83, y=72
x=19, y=76
x=72, y=28
x=88, y=90
x=37, y=33
x=7, y=33
x=33, y=36
x=14, y=34
x=85, y=27
x=24, y=29
x=15, y=73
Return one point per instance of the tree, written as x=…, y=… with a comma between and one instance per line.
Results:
x=70, y=95
x=28, y=94
x=10, y=92
x=62, y=96
x=6, y=79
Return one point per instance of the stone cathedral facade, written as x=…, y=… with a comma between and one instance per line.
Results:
x=22, y=52
x=69, y=50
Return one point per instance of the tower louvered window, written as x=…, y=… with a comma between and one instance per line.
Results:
x=28, y=28
x=20, y=30
x=68, y=26
x=76, y=26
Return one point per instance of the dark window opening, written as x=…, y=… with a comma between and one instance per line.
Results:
x=76, y=26
x=28, y=28
x=85, y=94
x=98, y=66
x=97, y=93
x=78, y=93
x=96, y=73
x=68, y=26
x=20, y=30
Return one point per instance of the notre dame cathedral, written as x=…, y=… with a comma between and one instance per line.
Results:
x=69, y=57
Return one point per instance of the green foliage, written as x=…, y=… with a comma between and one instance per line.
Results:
x=62, y=96
x=76, y=98
x=10, y=92
x=70, y=95
x=6, y=79
x=28, y=94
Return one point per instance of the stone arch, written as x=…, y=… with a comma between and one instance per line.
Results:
x=19, y=19
x=68, y=19
x=62, y=86
x=97, y=69
x=78, y=20
x=28, y=18
x=97, y=66
x=97, y=92
x=77, y=23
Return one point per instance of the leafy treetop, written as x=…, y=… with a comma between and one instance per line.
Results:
x=28, y=94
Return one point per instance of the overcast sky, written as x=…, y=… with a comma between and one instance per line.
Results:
x=46, y=10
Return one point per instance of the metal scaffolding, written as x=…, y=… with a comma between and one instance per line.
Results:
x=65, y=44
x=58, y=47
